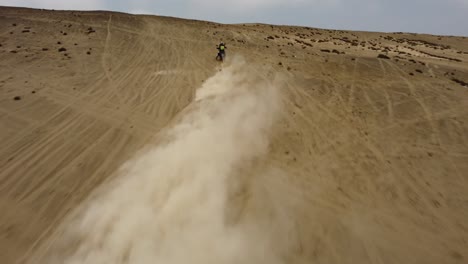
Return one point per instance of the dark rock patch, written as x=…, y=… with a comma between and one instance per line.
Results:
x=17, y=98
x=441, y=57
x=45, y=49
x=58, y=42
x=25, y=31
x=89, y=53
x=419, y=71
x=382, y=56
x=13, y=51
x=91, y=30
x=462, y=83
x=456, y=255
x=325, y=50
x=62, y=49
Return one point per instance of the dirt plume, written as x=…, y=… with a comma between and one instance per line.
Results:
x=170, y=205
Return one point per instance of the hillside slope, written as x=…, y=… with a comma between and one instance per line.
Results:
x=371, y=153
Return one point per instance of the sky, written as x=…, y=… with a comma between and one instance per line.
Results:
x=440, y=17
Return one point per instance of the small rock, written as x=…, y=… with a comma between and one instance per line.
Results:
x=45, y=49
x=62, y=49
x=91, y=30
x=382, y=56
x=58, y=42
x=17, y=98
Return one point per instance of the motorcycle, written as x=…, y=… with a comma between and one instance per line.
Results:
x=221, y=55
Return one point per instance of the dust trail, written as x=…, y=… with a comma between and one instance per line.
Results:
x=170, y=204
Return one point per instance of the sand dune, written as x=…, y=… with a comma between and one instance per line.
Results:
x=124, y=141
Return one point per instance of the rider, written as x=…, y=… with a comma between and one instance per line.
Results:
x=222, y=49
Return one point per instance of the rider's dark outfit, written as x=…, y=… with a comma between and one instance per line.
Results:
x=222, y=48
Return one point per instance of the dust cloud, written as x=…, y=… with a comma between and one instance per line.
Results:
x=171, y=205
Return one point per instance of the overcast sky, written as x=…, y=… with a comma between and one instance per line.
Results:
x=444, y=17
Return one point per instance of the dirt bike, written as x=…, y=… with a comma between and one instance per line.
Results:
x=221, y=56
x=221, y=53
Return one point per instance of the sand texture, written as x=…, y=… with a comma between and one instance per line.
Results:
x=123, y=140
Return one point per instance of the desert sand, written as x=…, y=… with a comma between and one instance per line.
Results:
x=123, y=140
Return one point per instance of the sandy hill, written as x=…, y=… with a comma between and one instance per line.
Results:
x=318, y=146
